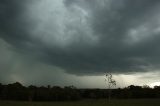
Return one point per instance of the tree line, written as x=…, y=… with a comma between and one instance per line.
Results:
x=16, y=91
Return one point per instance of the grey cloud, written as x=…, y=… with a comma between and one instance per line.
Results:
x=12, y=26
x=83, y=36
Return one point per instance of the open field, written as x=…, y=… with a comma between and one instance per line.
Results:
x=138, y=102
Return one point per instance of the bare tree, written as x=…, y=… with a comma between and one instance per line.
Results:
x=110, y=83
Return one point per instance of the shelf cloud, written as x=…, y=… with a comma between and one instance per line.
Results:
x=82, y=37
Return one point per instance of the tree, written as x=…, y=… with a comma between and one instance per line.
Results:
x=110, y=83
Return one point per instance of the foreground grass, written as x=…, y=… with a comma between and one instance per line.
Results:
x=133, y=102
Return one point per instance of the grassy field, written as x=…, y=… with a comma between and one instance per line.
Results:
x=139, y=102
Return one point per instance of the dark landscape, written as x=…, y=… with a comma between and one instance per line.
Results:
x=18, y=92
x=79, y=52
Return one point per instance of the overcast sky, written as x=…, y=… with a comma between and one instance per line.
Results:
x=75, y=42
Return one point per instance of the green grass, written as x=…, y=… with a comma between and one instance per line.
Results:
x=133, y=102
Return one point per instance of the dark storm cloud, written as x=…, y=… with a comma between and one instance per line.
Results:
x=84, y=36
x=12, y=26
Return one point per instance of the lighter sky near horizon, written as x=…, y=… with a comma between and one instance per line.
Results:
x=75, y=42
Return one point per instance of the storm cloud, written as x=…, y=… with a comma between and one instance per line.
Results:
x=84, y=37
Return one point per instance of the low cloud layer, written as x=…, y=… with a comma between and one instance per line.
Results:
x=83, y=37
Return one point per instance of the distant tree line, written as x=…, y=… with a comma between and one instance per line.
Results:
x=17, y=91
